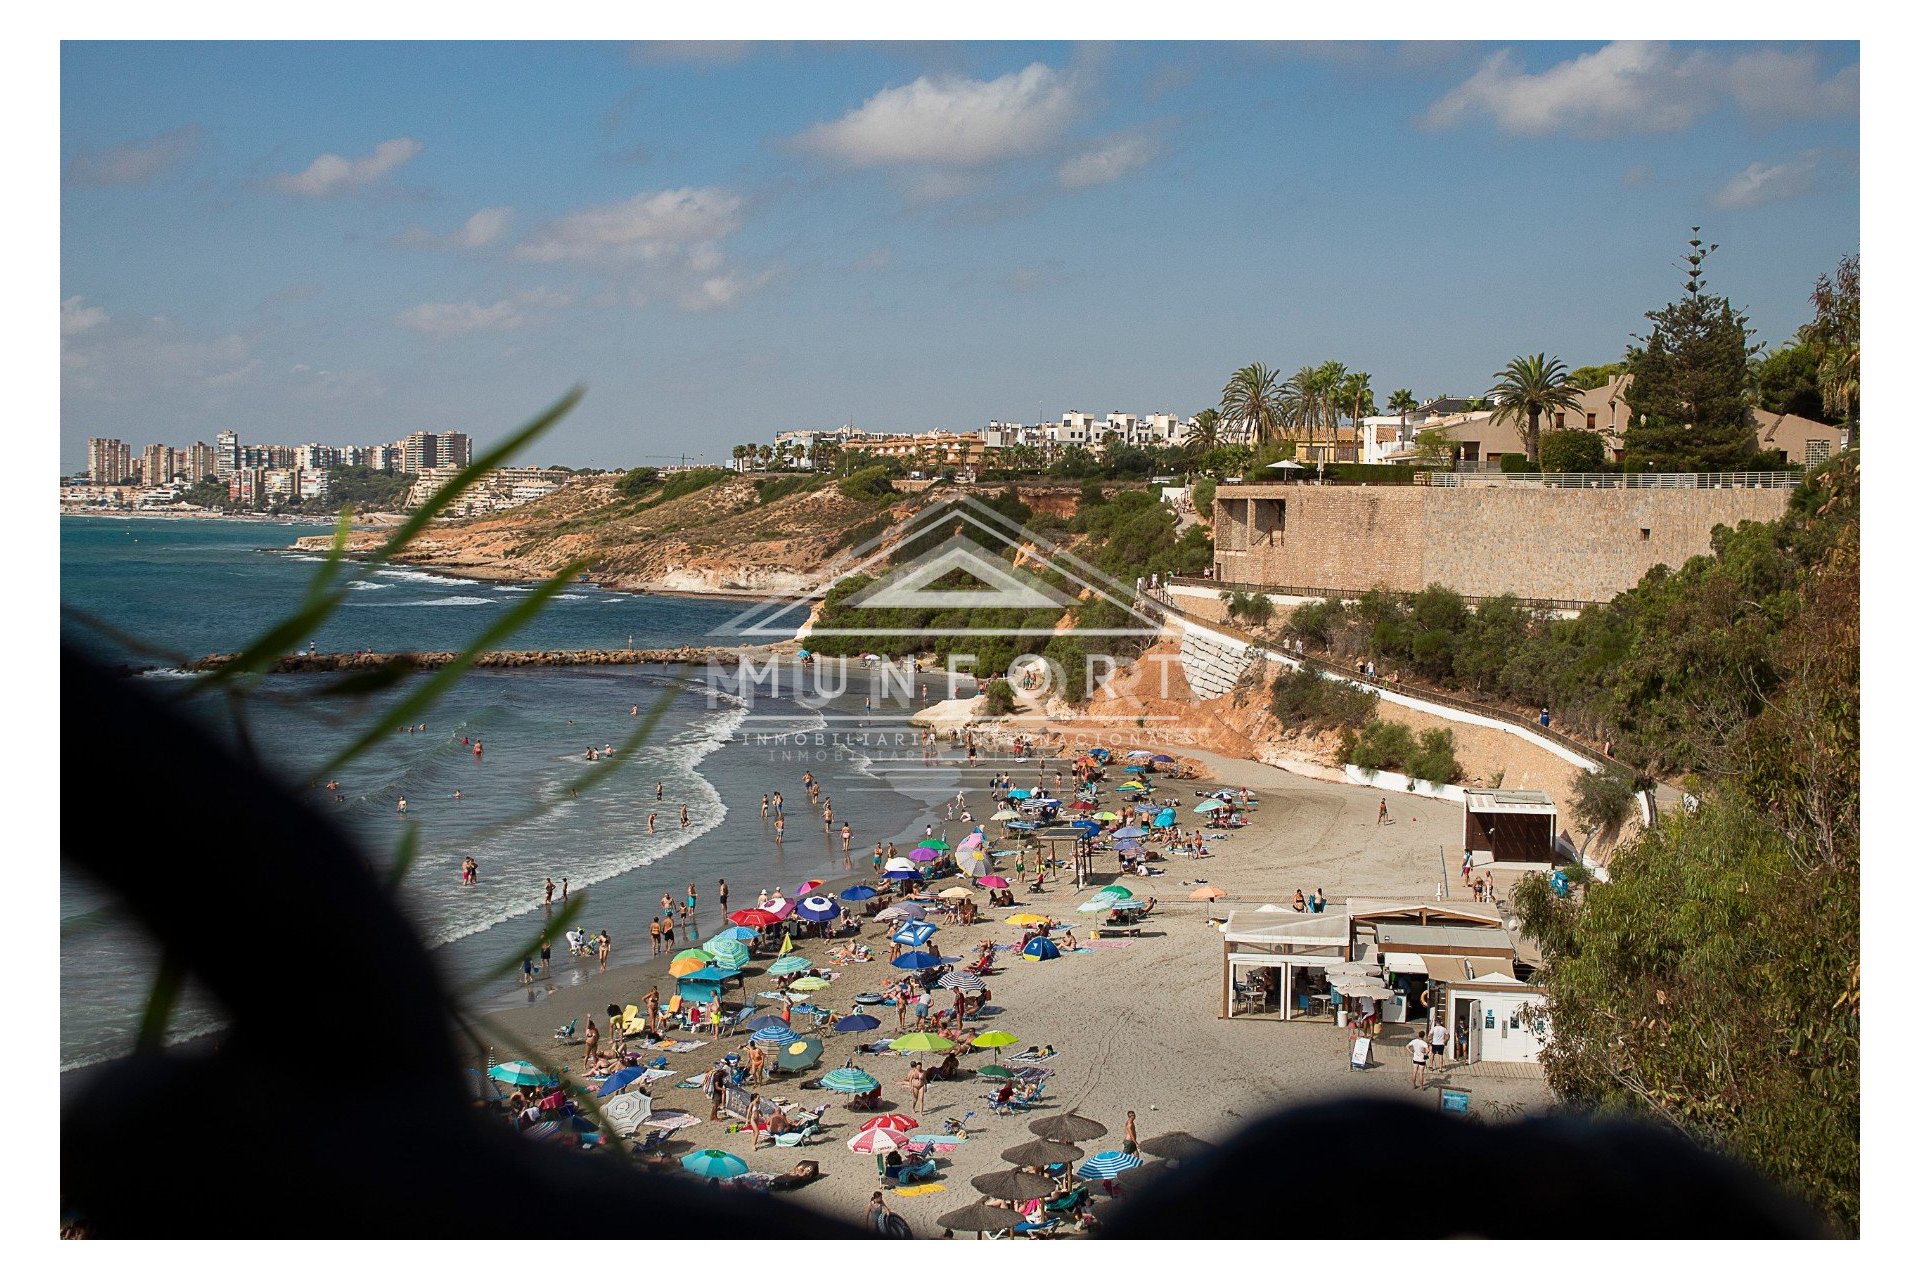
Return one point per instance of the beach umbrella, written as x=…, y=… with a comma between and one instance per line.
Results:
x=961, y=980
x=980, y=1218
x=857, y=1022
x=859, y=893
x=773, y=1037
x=809, y=984
x=545, y=1131
x=1002, y=815
x=752, y=918
x=1015, y=1184
x=627, y=1112
x=956, y=893
x=1208, y=806
x=1135, y=768
x=995, y=1040
x=1207, y=893
x=848, y=1080
x=993, y=1071
x=1114, y=891
x=738, y=933
x=924, y=854
x=900, y=875
x=1107, y=815
x=1029, y=917
x=798, y=1055
x=1129, y=832
x=915, y=933
x=920, y=1042
x=1081, y=804
x=1134, y=785
x=519, y=1072
x=1159, y=759
x=804, y=888
x=1097, y=903
x=1176, y=1146
x=760, y=1022
x=941, y=845
x=714, y=1164
x=1110, y=1164
x=1128, y=846
x=1043, y=949
x=682, y=967
x=898, y=864
x=712, y=974
x=1032, y=1075
x=973, y=839
x=620, y=1080
x=1138, y=754
x=1085, y=824
x=876, y=1142
x=789, y=964
x=917, y=960
x=1069, y=1126
x=1165, y=818
x=694, y=953
x=1018, y=793
x=903, y=911
x=778, y=908
x=898, y=1121
x=731, y=954
x=817, y=908
x=994, y=882
x=1040, y=1153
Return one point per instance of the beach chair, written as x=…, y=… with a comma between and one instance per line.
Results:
x=1066, y=1205
x=1039, y=1231
x=908, y=1174
x=655, y=1139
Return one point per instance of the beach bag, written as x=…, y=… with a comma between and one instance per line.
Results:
x=896, y=1226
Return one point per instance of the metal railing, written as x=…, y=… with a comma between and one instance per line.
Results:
x=1354, y=593
x=1615, y=480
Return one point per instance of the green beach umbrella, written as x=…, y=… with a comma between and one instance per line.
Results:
x=996, y=1039
x=941, y=845
x=995, y=1072
x=730, y=953
x=848, y=1080
x=809, y=984
x=789, y=964
x=920, y=1042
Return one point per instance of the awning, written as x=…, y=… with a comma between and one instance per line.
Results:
x=1455, y=969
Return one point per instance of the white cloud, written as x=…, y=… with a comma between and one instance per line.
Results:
x=648, y=227
x=134, y=162
x=1107, y=160
x=1762, y=183
x=444, y=318
x=951, y=120
x=77, y=317
x=134, y=363
x=1633, y=86
x=331, y=175
x=477, y=232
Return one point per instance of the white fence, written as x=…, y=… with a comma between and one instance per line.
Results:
x=1614, y=480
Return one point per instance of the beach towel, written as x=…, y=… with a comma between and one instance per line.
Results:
x=680, y=1046
x=672, y=1121
x=919, y=1189
x=690, y=1084
x=1110, y=944
x=655, y=1073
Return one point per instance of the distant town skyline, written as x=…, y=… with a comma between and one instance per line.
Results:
x=353, y=242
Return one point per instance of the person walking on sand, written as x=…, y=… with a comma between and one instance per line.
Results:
x=1419, y=1050
x=916, y=1082
x=1383, y=812
x=1130, y=1140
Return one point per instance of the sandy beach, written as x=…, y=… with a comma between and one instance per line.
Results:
x=1134, y=1022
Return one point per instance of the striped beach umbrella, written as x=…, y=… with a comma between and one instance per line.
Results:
x=778, y=908
x=773, y=1037
x=1109, y=1164
x=898, y=1121
x=714, y=1164
x=738, y=933
x=789, y=964
x=519, y=1072
x=732, y=954
x=817, y=908
x=876, y=1142
x=961, y=980
x=804, y=888
x=848, y=1080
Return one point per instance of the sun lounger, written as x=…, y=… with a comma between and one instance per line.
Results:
x=1039, y=1231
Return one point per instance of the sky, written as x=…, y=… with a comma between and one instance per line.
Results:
x=348, y=242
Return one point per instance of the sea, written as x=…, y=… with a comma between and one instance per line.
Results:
x=152, y=593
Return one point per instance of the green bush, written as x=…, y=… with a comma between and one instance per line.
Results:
x=1000, y=699
x=1302, y=699
x=1512, y=463
x=1434, y=761
x=1572, y=451
x=637, y=481
x=1373, y=473
x=1315, y=620
x=774, y=488
x=869, y=484
x=1253, y=608
x=1203, y=491
x=682, y=483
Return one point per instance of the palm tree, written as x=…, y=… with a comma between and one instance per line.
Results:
x=1205, y=434
x=1528, y=387
x=1252, y=396
x=741, y=451
x=1357, y=390
x=1403, y=403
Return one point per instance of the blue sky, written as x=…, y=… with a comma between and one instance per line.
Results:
x=347, y=242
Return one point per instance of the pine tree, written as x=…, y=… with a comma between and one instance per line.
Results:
x=1688, y=395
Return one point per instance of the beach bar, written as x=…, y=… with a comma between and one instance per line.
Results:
x=1510, y=826
x=1270, y=950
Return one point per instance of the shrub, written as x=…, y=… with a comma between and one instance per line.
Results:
x=1000, y=699
x=1254, y=608
x=869, y=484
x=1434, y=760
x=774, y=488
x=1203, y=490
x=1315, y=620
x=1572, y=451
x=1384, y=744
x=1516, y=462
x=1302, y=699
x=682, y=483
x=637, y=481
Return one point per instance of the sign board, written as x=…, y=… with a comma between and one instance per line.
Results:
x=736, y=1101
x=1455, y=1101
x=1362, y=1053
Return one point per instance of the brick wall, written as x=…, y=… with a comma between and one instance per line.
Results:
x=1543, y=544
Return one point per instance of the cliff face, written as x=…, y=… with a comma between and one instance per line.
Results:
x=718, y=540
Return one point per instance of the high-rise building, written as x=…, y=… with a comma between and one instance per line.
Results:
x=228, y=457
x=455, y=449
x=156, y=465
x=419, y=451
x=315, y=457
x=203, y=461
x=108, y=461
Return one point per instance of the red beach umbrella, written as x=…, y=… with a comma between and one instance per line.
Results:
x=753, y=918
x=894, y=1120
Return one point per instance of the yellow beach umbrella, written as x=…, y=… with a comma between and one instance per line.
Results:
x=685, y=965
x=956, y=892
x=1028, y=917
x=809, y=984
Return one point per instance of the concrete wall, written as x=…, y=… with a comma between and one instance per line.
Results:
x=1540, y=544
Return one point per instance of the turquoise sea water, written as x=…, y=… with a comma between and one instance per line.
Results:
x=186, y=588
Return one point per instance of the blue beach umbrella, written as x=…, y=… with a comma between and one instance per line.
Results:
x=520, y=1072
x=1085, y=824
x=620, y=1080
x=1165, y=818
x=915, y=933
x=859, y=893
x=817, y=908
x=1135, y=768
x=900, y=875
x=734, y=933
x=848, y=1080
x=857, y=1022
x=1109, y=1164
x=1163, y=759
x=712, y=974
x=714, y=1164
x=1129, y=833
x=918, y=960
x=1019, y=793
x=775, y=1036
x=765, y=1020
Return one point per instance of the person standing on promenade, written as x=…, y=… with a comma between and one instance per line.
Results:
x=1419, y=1050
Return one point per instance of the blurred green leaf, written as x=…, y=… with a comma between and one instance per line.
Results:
x=169, y=977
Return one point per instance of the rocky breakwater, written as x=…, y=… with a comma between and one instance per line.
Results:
x=312, y=663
